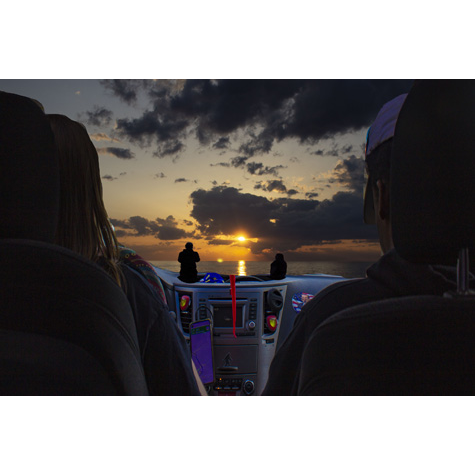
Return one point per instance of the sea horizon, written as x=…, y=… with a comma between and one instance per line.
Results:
x=241, y=267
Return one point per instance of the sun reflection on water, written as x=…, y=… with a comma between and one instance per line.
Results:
x=242, y=268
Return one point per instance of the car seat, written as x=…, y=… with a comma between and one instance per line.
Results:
x=421, y=345
x=66, y=328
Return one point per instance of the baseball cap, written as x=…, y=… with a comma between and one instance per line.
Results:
x=380, y=131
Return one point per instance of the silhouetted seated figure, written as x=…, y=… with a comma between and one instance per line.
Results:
x=278, y=269
x=188, y=259
x=390, y=276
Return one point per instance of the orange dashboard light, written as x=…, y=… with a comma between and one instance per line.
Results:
x=272, y=322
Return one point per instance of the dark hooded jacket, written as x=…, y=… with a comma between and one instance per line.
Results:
x=188, y=259
x=278, y=268
x=165, y=355
x=390, y=277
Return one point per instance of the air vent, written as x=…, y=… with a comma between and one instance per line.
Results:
x=275, y=300
x=185, y=322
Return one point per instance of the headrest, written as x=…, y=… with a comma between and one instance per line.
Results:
x=29, y=173
x=433, y=172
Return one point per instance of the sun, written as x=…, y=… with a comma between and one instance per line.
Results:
x=241, y=238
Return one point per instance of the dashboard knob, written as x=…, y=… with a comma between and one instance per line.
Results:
x=251, y=325
x=248, y=387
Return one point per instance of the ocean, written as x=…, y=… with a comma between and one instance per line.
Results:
x=343, y=269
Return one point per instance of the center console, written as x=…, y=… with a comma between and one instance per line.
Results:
x=242, y=350
x=265, y=313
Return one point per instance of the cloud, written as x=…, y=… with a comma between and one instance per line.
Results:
x=122, y=153
x=258, y=144
x=265, y=111
x=253, y=168
x=222, y=143
x=239, y=162
x=126, y=89
x=349, y=173
x=159, y=175
x=99, y=116
x=334, y=152
x=162, y=229
x=185, y=180
x=275, y=185
x=109, y=178
x=101, y=136
x=283, y=223
x=167, y=130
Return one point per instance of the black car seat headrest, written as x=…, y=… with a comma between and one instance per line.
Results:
x=433, y=172
x=29, y=173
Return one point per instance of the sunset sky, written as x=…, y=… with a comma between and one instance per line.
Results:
x=279, y=163
x=242, y=168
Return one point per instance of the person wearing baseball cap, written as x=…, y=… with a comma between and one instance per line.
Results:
x=391, y=276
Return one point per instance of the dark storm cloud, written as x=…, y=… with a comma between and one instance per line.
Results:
x=126, y=89
x=275, y=185
x=170, y=147
x=258, y=144
x=222, y=143
x=265, y=110
x=334, y=152
x=253, y=168
x=239, y=162
x=284, y=223
x=122, y=153
x=168, y=230
x=350, y=173
x=99, y=116
x=167, y=130
x=224, y=210
x=162, y=229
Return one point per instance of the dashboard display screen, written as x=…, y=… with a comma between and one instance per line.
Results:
x=223, y=316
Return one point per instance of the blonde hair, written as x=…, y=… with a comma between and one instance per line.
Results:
x=83, y=225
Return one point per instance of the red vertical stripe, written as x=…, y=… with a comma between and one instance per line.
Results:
x=232, y=280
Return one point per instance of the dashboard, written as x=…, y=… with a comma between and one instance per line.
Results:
x=243, y=344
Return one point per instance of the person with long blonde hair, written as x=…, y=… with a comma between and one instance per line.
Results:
x=84, y=227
